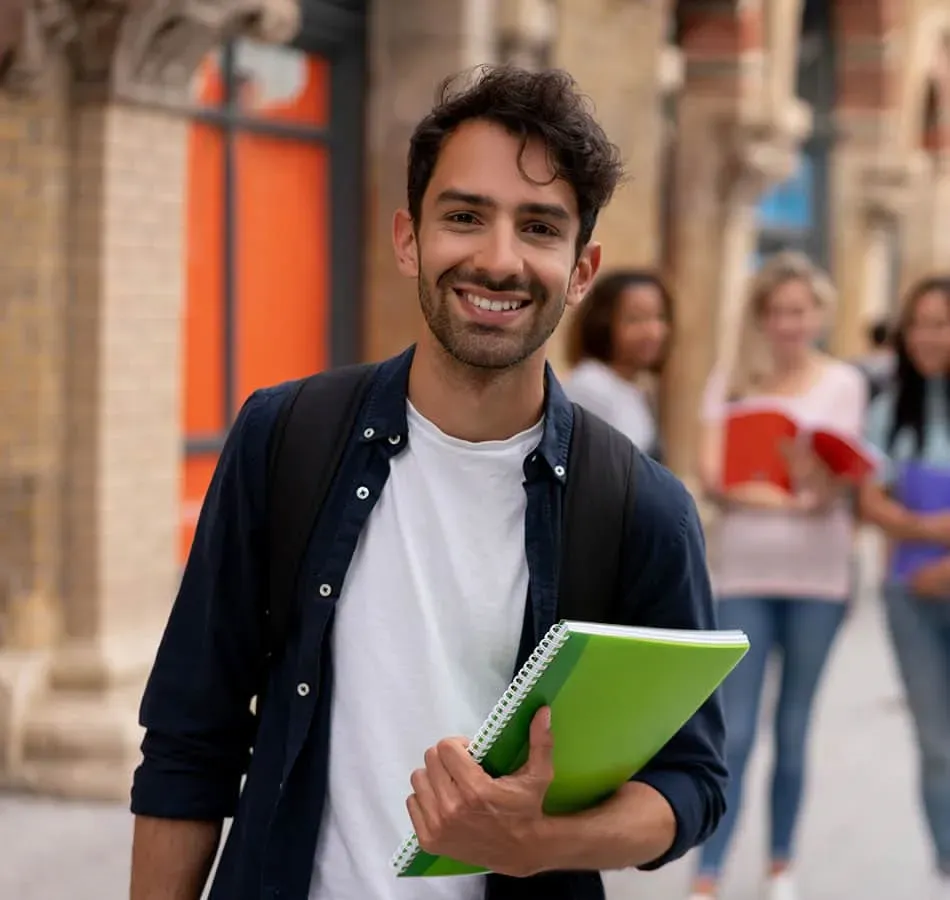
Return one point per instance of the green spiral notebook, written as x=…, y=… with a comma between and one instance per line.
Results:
x=617, y=695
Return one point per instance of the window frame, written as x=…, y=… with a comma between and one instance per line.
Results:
x=336, y=32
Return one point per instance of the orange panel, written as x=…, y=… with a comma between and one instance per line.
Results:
x=207, y=87
x=203, y=338
x=197, y=476
x=282, y=260
x=204, y=290
x=282, y=84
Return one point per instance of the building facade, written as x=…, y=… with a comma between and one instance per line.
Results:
x=195, y=199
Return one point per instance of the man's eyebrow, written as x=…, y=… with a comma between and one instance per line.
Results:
x=451, y=195
x=550, y=210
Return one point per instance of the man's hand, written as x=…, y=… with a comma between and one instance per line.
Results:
x=459, y=810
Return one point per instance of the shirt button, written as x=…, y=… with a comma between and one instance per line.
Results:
x=394, y=439
x=369, y=432
x=303, y=688
x=559, y=471
x=325, y=590
x=362, y=492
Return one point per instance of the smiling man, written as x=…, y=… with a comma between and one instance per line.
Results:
x=430, y=574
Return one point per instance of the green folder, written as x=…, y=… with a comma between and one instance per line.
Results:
x=617, y=695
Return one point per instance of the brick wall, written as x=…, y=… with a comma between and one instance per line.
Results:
x=123, y=394
x=33, y=194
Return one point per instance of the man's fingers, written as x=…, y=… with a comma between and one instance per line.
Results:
x=466, y=773
x=423, y=805
x=446, y=791
x=540, y=763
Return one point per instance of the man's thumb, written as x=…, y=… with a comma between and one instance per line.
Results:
x=540, y=763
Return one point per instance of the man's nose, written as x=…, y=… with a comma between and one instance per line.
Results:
x=500, y=253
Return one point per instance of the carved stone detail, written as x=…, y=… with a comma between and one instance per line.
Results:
x=162, y=42
x=43, y=30
x=526, y=32
x=889, y=186
x=12, y=23
x=137, y=49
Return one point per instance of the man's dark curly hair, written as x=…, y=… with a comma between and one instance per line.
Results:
x=545, y=105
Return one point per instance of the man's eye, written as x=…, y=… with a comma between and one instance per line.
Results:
x=541, y=228
x=463, y=218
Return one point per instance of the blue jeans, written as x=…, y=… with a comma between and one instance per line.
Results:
x=920, y=633
x=803, y=630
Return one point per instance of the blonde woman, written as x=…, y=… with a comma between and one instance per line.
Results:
x=782, y=567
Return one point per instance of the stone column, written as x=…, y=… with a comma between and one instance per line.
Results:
x=941, y=220
x=122, y=387
x=526, y=32
x=413, y=47
x=922, y=228
x=737, y=133
x=868, y=158
x=878, y=300
x=704, y=179
x=33, y=198
x=614, y=50
x=696, y=256
x=870, y=200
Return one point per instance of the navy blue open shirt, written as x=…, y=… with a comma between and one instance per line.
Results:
x=196, y=707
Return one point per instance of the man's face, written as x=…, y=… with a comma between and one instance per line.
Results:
x=494, y=251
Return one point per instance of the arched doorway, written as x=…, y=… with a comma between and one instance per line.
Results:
x=273, y=224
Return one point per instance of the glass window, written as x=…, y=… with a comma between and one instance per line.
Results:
x=790, y=205
x=257, y=254
x=280, y=83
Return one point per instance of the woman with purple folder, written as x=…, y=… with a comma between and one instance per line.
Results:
x=910, y=423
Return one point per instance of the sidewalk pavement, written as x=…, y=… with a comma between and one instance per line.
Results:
x=861, y=836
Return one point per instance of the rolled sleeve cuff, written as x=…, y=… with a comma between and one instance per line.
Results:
x=681, y=792
x=165, y=790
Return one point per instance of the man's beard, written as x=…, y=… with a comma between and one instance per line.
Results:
x=486, y=346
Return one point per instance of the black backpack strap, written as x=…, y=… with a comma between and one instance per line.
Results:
x=600, y=486
x=307, y=445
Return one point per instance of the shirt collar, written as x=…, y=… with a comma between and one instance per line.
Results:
x=384, y=415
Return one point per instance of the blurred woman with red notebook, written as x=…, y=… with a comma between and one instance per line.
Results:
x=782, y=556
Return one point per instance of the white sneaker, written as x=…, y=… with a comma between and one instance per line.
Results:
x=782, y=887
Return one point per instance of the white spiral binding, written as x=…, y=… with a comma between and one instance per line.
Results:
x=498, y=718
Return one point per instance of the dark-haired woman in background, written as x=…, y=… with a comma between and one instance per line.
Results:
x=910, y=423
x=618, y=345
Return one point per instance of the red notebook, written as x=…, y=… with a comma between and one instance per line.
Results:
x=753, y=448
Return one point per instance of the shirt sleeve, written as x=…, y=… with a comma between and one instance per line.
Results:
x=667, y=586
x=196, y=707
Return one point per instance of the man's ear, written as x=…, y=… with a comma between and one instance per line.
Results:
x=585, y=271
x=405, y=245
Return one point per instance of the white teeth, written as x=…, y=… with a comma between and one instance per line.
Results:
x=493, y=305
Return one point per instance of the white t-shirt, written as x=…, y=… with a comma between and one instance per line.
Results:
x=618, y=402
x=425, y=641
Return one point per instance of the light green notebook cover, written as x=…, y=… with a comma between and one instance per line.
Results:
x=617, y=695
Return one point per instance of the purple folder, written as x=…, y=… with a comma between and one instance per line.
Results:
x=925, y=489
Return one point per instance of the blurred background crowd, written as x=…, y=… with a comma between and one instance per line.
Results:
x=195, y=200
